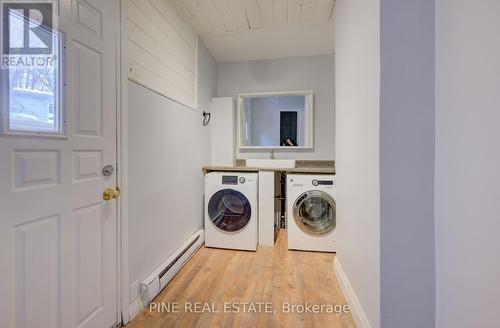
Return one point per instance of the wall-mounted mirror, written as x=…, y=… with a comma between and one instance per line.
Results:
x=275, y=120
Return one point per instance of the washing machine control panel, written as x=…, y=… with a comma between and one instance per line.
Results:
x=322, y=182
x=319, y=184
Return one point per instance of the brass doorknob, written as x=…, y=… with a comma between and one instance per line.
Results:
x=111, y=193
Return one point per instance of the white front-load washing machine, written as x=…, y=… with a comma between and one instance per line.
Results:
x=231, y=210
x=311, y=213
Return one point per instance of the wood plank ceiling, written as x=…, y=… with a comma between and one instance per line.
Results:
x=208, y=17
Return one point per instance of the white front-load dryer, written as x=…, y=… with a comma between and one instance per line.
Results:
x=311, y=212
x=231, y=210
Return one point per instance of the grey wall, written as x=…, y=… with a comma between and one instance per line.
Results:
x=167, y=148
x=467, y=163
x=357, y=81
x=288, y=74
x=407, y=164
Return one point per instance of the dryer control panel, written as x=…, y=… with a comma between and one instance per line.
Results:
x=230, y=180
x=235, y=180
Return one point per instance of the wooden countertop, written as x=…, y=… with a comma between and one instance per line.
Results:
x=322, y=167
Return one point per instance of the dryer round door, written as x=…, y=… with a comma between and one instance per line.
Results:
x=314, y=212
x=229, y=210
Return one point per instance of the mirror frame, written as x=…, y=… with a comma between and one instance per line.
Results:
x=309, y=117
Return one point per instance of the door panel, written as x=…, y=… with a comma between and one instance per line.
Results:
x=36, y=169
x=88, y=102
x=57, y=235
x=87, y=261
x=36, y=269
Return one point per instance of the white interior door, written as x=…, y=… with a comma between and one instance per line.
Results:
x=57, y=234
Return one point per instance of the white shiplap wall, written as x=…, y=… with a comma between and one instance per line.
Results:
x=161, y=50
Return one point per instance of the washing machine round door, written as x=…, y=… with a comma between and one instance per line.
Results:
x=229, y=210
x=314, y=212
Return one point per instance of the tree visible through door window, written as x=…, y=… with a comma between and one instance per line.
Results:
x=31, y=70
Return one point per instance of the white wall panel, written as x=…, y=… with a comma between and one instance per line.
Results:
x=467, y=161
x=179, y=24
x=357, y=161
x=222, y=131
x=167, y=148
x=266, y=208
x=161, y=50
x=176, y=145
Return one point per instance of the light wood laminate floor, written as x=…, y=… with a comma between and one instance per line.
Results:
x=276, y=275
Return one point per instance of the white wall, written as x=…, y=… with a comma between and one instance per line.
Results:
x=357, y=81
x=289, y=74
x=222, y=132
x=165, y=178
x=167, y=148
x=467, y=163
x=161, y=50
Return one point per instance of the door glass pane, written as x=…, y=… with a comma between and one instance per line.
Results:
x=229, y=210
x=316, y=215
x=33, y=100
x=33, y=83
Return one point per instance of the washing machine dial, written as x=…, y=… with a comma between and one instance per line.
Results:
x=242, y=180
x=315, y=182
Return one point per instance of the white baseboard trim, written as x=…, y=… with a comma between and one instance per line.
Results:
x=358, y=314
x=134, y=308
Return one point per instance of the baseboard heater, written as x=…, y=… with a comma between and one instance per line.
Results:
x=160, y=277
